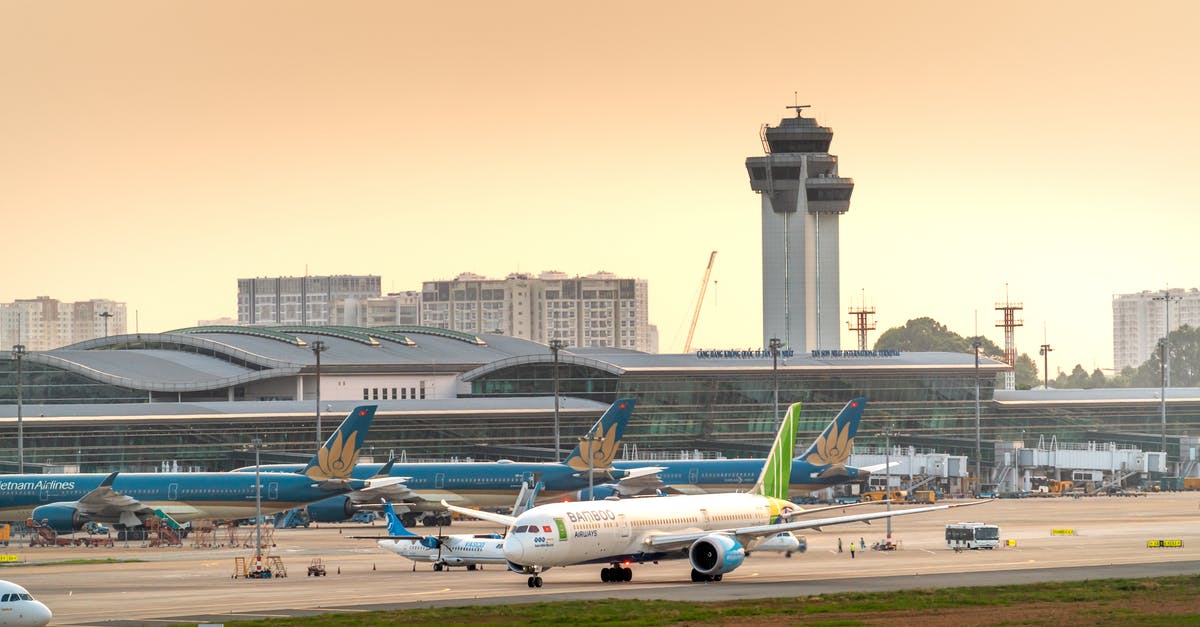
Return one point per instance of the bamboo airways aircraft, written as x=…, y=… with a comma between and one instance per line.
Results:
x=711, y=531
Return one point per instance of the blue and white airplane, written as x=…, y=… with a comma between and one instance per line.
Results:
x=421, y=487
x=711, y=531
x=69, y=501
x=18, y=608
x=470, y=550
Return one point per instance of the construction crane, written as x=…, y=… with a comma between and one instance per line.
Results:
x=687, y=345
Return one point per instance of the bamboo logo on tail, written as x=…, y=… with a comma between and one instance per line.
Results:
x=777, y=470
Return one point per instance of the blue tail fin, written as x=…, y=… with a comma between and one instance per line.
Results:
x=835, y=442
x=604, y=440
x=336, y=458
x=395, y=528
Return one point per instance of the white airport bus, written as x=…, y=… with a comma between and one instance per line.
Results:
x=972, y=535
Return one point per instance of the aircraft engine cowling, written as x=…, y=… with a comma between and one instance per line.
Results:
x=62, y=517
x=598, y=493
x=716, y=554
x=334, y=509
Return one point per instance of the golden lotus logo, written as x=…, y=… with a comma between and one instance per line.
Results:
x=833, y=447
x=601, y=450
x=336, y=461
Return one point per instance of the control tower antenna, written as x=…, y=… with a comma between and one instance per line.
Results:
x=1010, y=323
x=799, y=109
x=861, y=324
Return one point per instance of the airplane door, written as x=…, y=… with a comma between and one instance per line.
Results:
x=694, y=475
x=622, y=525
x=173, y=492
x=273, y=490
x=439, y=480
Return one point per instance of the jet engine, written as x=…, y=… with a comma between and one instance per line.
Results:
x=334, y=509
x=598, y=493
x=62, y=517
x=716, y=554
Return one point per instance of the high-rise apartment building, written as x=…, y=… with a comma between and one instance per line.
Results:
x=1140, y=321
x=44, y=323
x=601, y=309
x=396, y=308
x=308, y=300
x=802, y=197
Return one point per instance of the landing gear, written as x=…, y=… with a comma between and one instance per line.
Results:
x=699, y=577
x=438, y=567
x=535, y=582
x=615, y=574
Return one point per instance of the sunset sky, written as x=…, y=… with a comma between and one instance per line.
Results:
x=154, y=152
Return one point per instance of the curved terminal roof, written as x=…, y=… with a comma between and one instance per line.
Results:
x=206, y=358
x=215, y=357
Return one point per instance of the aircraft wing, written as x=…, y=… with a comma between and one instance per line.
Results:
x=501, y=519
x=644, y=480
x=670, y=541
x=878, y=468
x=105, y=503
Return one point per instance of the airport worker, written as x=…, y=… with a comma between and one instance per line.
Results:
x=839, y=545
x=852, y=549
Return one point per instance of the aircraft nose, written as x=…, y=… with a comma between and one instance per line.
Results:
x=38, y=613
x=514, y=548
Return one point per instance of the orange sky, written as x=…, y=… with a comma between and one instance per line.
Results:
x=154, y=152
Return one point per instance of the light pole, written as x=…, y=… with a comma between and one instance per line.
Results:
x=1044, y=351
x=1162, y=393
x=318, y=347
x=590, y=438
x=18, y=351
x=975, y=344
x=555, y=346
x=887, y=461
x=257, y=444
x=775, y=344
x=1164, y=364
x=106, y=315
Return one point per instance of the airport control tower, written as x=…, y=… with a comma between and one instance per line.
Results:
x=802, y=197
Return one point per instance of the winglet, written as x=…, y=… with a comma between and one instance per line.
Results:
x=386, y=469
x=336, y=458
x=777, y=469
x=604, y=439
x=835, y=442
x=108, y=481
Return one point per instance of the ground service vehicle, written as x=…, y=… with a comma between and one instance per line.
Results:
x=972, y=535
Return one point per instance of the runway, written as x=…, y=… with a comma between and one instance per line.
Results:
x=180, y=585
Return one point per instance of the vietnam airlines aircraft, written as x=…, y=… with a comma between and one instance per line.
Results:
x=712, y=531
x=19, y=609
x=485, y=484
x=68, y=501
x=822, y=465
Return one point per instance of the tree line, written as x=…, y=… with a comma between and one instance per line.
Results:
x=1183, y=345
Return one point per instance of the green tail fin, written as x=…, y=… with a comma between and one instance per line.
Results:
x=777, y=470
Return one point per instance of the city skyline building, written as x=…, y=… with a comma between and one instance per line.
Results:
x=802, y=197
x=307, y=300
x=45, y=323
x=1140, y=319
x=597, y=310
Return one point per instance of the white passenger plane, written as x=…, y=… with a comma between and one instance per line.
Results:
x=712, y=531
x=19, y=609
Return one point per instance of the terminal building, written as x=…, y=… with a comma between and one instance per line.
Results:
x=194, y=398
